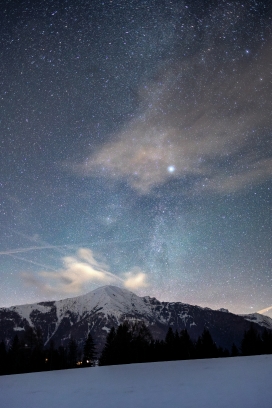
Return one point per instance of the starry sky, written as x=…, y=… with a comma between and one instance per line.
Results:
x=136, y=150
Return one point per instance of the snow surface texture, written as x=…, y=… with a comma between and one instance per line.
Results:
x=239, y=382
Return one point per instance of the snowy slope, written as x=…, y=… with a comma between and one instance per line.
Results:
x=108, y=306
x=96, y=311
x=262, y=320
x=113, y=300
x=241, y=382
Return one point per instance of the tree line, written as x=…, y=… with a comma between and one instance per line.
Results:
x=29, y=354
x=125, y=345
x=134, y=344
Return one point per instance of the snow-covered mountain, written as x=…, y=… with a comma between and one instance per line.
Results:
x=108, y=306
x=262, y=320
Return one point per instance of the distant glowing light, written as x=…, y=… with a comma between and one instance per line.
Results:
x=171, y=169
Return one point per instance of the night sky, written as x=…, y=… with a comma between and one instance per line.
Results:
x=136, y=150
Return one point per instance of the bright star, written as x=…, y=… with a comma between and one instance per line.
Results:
x=171, y=169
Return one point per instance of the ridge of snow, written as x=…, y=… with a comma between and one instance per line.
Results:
x=262, y=320
x=114, y=301
x=111, y=300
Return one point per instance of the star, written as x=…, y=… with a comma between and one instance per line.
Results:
x=171, y=169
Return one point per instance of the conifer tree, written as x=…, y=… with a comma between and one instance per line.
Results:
x=3, y=358
x=89, y=352
x=251, y=342
x=72, y=353
x=170, y=337
x=107, y=355
x=15, y=356
x=170, y=345
x=267, y=342
x=205, y=346
x=62, y=358
x=123, y=345
x=33, y=350
x=186, y=346
x=141, y=343
x=38, y=355
x=234, y=350
x=51, y=357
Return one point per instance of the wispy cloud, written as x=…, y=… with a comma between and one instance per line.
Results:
x=78, y=272
x=28, y=249
x=33, y=262
x=135, y=279
x=196, y=123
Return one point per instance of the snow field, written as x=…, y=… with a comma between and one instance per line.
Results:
x=240, y=382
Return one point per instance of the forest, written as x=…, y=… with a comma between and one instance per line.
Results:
x=129, y=343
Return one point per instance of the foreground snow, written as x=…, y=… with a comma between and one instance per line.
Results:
x=243, y=382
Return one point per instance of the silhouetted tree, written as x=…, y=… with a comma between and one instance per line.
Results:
x=128, y=344
x=107, y=355
x=3, y=359
x=234, y=351
x=15, y=356
x=186, y=346
x=171, y=345
x=32, y=350
x=38, y=355
x=72, y=353
x=157, y=350
x=267, y=342
x=123, y=344
x=89, y=352
x=251, y=343
x=62, y=358
x=51, y=357
x=140, y=343
x=205, y=346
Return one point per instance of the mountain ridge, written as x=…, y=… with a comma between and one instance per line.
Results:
x=108, y=306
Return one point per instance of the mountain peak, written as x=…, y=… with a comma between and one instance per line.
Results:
x=114, y=300
x=110, y=290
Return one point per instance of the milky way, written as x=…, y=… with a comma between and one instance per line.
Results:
x=136, y=150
